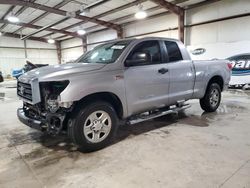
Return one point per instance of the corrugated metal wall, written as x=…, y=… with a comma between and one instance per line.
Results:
x=12, y=53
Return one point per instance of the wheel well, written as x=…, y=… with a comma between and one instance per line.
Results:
x=218, y=80
x=107, y=97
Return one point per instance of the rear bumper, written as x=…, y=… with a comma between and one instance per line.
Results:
x=36, y=124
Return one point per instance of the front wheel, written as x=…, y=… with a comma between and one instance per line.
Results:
x=94, y=126
x=211, y=101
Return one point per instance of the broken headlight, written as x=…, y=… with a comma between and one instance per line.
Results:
x=50, y=92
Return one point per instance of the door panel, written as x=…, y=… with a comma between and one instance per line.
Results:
x=146, y=85
x=181, y=81
x=146, y=88
x=181, y=72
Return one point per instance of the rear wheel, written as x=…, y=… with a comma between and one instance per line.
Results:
x=211, y=101
x=94, y=126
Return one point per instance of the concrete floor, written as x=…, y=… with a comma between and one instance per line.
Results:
x=190, y=150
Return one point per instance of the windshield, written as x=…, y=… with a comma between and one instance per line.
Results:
x=105, y=53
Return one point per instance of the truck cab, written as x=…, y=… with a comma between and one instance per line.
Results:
x=164, y=76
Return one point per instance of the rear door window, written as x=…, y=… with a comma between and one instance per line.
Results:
x=174, y=53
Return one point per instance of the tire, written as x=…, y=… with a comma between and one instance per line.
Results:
x=86, y=129
x=211, y=101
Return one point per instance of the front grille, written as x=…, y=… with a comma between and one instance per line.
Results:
x=24, y=91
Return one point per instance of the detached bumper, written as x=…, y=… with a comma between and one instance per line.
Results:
x=28, y=121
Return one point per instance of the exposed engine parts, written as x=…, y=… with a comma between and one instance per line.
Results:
x=50, y=92
x=49, y=112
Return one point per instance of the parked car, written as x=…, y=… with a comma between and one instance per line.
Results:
x=120, y=82
x=27, y=67
x=1, y=77
x=17, y=72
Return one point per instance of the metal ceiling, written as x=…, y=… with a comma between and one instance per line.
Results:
x=41, y=19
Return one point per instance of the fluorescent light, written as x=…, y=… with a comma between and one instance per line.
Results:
x=12, y=18
x=83, y=13
x=51, y=41
x=140, y=15
x=84, y=10
x=81, y=32
x=1, y=34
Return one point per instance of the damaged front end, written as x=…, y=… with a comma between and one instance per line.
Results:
x=50, y=114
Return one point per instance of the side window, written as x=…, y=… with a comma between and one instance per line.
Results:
x=151, y=48
x=174, y=53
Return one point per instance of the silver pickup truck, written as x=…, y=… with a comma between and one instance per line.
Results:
x=119, y=82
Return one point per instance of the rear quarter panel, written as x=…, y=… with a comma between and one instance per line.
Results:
x=205, y=70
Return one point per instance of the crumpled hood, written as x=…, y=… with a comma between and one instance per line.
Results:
x=59, y=71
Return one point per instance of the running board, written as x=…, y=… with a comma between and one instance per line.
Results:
x=159, y=114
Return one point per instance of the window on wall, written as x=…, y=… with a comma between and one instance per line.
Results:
x=174, y=53
x=150, y=47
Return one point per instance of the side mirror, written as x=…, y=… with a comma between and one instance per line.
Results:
x=138, y=58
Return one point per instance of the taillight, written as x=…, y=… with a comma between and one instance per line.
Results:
x=230, y=66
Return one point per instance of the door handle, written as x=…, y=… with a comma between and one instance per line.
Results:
x=163, y=70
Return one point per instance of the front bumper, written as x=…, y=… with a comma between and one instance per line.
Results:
x=36, y=124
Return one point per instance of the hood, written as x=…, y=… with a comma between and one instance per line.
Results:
x=59, y=71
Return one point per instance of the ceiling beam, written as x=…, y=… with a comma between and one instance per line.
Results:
x=92, y=6
x=127, y=23
x=54, y=24
x=60, y=12
x=8, y=11
x=20, y=11
x=169, y=6
x=123, y=7
x=115, y=10
x=59, y=5
x=112, y=11
x=6, y=14
x=6, y=34
x=150, y=17
x=123, y=18
x=202, y=3
x=42, y=29
x=180, y=12
x=32, y=26
x=78, y=12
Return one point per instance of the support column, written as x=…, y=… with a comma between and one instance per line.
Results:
x=84, y=43
x=59, y=52
x=181, y=20
x=120, y=33
x=180, y=12
x=25, y=49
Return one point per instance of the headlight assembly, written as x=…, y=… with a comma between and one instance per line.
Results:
x=50, y=92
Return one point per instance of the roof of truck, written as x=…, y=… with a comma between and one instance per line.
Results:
x=158, y=38
x=144, y=38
